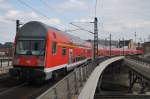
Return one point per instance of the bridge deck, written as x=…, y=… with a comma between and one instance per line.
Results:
x=122, y=97
x=142, y=69
x=89, y=88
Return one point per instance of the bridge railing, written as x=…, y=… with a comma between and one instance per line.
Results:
x=71, y=85
x=144, y=64
x=5, y=64
x=5, y=61
x=94, y=81
x=138, y=73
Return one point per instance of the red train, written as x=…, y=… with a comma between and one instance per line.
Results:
x=116, y=52
x=42, y=51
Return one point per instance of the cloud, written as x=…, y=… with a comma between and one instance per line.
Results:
x=11, y=14
x=52, y=21
x=1, y=1
x=28, y=16
x=123, y=17
x=84, y=19
x=4, y=6
x=72, y=6
x=118, y=17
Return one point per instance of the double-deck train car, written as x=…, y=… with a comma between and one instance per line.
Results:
x=116, y=52
x=42, y=51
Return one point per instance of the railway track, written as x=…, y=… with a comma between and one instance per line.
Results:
x=24, y=91
x=11, y=88
x=141, y=59
x=7, y=82
x=21, y=90
x=122, y=96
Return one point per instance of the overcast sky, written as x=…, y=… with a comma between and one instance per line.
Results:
x=121, y=18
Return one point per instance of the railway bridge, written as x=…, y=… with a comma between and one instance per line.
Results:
x=137, y=76
x=87, y=82
x=119, y=77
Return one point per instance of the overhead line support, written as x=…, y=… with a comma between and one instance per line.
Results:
x=95, y=38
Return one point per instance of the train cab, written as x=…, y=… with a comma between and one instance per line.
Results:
x=29, y=51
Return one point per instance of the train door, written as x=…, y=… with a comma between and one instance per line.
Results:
x=70, y=56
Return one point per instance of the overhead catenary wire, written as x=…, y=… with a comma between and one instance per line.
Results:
x=45, y=3
x=57, y=12
x=19, y=16
x=86, y=22
x=36, y=10
x=32, y=8
x=7, y=18
x=81, y=28
x=72, y=30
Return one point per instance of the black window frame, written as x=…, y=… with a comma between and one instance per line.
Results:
x=30, y=39
x=64, y=51
x=54, y=51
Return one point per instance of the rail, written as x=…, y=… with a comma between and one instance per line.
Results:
x=143, y=63
x=138, y=58
x=139, y=67
x=138, y=74
x=71, y=85
x=122, y=97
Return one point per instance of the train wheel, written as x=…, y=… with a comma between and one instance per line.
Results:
x=59, y=73
x=55, y=76
x=63, y=72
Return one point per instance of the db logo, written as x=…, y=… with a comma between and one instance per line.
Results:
x=28, y=61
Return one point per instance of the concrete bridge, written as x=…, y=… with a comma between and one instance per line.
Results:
x=84, y=82
x=90, y=87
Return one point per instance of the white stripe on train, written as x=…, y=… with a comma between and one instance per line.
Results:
x=64, y=65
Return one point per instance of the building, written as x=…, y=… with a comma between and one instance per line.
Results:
x=6, y=49
x=128, y=44
x=146, y=47
x=103, y=43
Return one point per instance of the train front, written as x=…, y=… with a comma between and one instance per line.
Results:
x=29, y=52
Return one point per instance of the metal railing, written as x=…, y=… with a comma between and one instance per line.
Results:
x=5, y=61
x=144, y=64
x=71, y=85
x=5, y=64
x=122, y=96
x=94, y=81
x=138, y=73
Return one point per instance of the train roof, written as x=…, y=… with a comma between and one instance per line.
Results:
x=33, y=29
x=39, y=29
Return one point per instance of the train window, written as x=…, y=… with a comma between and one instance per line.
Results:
x=54, y=47
x=64, y=51
x=36, y=46
x=30, y=47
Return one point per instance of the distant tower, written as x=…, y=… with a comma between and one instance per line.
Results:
x=135, y=36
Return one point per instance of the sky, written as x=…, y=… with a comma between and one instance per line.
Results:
x=121, y=18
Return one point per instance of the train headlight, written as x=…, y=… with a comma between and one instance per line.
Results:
x=41, y=61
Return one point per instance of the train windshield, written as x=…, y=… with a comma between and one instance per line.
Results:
x=30, y=47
